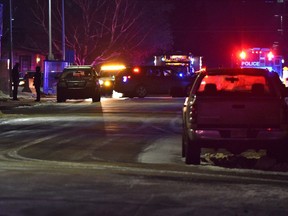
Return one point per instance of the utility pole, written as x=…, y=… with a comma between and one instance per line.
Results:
x=1, y=28
x=10, y=47
x=63, y=31
x=50, y=55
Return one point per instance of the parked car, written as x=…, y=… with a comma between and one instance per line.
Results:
x=25, y=76
x=139, y=81
x=236, y=109
x=78, y=82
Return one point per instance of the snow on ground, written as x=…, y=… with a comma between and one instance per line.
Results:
x=3, y=97
x=168, y=150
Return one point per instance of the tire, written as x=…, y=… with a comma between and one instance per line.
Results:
x=192, y=152
x=96, y=98
x=141, y=91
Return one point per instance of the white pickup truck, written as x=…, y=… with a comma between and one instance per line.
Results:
x=236, y=109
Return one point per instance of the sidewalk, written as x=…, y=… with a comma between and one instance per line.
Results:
x=25, y=99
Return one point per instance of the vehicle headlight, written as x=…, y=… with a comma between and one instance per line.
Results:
x=107, y=83
x=21, y=82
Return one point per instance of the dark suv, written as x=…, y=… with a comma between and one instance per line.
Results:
x=78, y=82
x=140, y=81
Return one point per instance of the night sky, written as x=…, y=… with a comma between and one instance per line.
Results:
x=214, y=29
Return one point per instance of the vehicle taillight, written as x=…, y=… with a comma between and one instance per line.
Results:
x=136, y=70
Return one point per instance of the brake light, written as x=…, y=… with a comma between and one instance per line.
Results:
x=136, y=70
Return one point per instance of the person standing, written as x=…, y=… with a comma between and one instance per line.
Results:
x=15, y=80
x=37, y=82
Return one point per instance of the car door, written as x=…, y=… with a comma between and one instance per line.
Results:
x=152, y=79
x=168, y=79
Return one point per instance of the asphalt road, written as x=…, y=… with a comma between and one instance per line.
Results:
x=123, y=157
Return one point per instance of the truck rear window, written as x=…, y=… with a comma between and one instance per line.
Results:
x=234, y=85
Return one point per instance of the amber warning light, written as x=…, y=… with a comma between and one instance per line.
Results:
x=112, y=67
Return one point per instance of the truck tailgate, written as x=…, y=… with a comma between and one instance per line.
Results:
x=244, y=112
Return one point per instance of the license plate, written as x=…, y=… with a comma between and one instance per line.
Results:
x=238, y=133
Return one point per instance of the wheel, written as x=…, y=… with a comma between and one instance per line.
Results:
x=141, y=91
x=192, y=152
x=96, y=98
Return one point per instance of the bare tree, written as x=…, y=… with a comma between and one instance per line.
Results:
x=102, y=30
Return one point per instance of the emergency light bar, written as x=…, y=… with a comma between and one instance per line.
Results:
x=112, y=67
x=243, y=55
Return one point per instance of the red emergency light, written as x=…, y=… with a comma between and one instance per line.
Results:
x=242, y=55
x=256, y=52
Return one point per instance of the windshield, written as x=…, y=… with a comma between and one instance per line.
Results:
x=234, y=84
